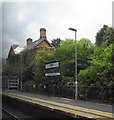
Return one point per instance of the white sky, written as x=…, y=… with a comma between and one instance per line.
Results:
x=21, y=20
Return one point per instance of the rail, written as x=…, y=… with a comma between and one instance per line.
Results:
x=9, y=115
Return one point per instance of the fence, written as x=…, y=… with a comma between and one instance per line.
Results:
x=10, y=83
x=91, y=93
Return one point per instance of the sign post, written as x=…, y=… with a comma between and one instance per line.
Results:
x=53, y=69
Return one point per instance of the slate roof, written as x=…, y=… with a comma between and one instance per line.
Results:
x=14, y=46
x=36, y=43
x=19, y=49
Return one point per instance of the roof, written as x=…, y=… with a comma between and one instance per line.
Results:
x=11, y=51
x=14, y=46
x=19, y=49
x=36, y=43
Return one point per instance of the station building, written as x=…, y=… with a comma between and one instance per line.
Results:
x=16, y=51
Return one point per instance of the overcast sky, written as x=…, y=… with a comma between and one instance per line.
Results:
x=21, y=20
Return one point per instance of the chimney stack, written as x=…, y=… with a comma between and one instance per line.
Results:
x=29, y=41
x=42, y=33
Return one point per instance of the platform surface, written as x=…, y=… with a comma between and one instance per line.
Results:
x=68, y=106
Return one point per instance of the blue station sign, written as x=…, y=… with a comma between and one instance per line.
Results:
x=52, y=68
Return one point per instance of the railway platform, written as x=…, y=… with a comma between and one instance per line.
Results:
x=69, y=107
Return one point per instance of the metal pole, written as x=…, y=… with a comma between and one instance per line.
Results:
x=58, y=86
x=48, y=87
x=21, y=74
x=76, y=83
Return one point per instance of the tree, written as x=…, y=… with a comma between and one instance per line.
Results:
x=100, y=73
x=105, y=34
x=66, y=55
x=56, y=42
x=101, y=65
x=41, y=57
x=85, y=50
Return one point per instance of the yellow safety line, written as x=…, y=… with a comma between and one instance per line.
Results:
x=67, y=110
x=60, y=108
x=69, y=106
x=106, y=114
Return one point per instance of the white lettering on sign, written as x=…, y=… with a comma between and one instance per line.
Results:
x=51, y=74
x=52, y=65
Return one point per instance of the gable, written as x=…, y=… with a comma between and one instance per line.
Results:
x=11, y=52
x=38, y=44
x=44, y=43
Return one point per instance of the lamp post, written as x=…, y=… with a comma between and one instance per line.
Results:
x=76, y=83
x=21, y=73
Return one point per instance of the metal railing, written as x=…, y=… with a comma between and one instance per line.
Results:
x=92, y=93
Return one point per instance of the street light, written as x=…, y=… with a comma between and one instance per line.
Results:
x=21, y=73
x=76, y=83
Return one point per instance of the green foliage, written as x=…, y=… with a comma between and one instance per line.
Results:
x=85, y=51
x=56, y=42
x=39, y=61
x=103, y=54
x=13, y=69
x=65, y=54
x=27, y=72
x=100, y=71
x=105, y=34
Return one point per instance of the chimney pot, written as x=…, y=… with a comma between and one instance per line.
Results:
x=29, y=41
x=42, y=33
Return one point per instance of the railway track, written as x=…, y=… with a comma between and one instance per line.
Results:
x=11, y=113
x=8, y=115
